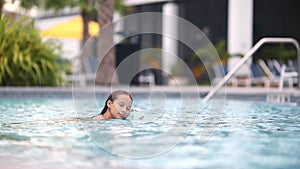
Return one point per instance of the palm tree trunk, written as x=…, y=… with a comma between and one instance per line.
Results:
x=85, y=20
x=85, y=35
x=107, y=65
x=1, y=6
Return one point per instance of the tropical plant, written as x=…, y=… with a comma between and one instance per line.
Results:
x=208, y=51
x=282, y=52
x=207, y=55
x=26, y=60
x=105, y=10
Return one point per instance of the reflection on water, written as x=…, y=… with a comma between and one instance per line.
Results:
x=46, y=133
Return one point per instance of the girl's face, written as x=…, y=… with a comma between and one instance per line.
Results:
x=120, y=108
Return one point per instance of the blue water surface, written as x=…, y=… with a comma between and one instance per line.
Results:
x=49, y=133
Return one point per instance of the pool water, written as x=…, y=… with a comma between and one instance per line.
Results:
x=44, y=133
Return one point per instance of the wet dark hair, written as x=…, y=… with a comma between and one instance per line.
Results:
x=113, y=96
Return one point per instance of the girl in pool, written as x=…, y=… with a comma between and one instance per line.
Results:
x=117, y=106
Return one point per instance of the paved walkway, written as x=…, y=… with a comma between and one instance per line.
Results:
x=146, y=89
x=290, y=96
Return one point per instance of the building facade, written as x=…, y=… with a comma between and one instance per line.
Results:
x=240, y=23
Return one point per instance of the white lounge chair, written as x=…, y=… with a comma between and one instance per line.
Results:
x=273, y=80
x=278, y=80
x=287, y=74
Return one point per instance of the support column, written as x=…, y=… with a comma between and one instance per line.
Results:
x=169, y=45
x=240, y=26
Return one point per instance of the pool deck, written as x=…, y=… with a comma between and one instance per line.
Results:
x=260, y=94
x=146, y=89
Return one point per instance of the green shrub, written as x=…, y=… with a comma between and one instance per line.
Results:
x=25, y=59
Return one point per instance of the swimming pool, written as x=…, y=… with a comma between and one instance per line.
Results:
x=40, y=132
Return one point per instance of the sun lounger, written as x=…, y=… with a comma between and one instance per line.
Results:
x=279, y=79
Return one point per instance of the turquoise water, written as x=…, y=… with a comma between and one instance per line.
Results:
x=44, y=133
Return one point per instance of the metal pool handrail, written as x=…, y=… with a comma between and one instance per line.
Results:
x=248, y=55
